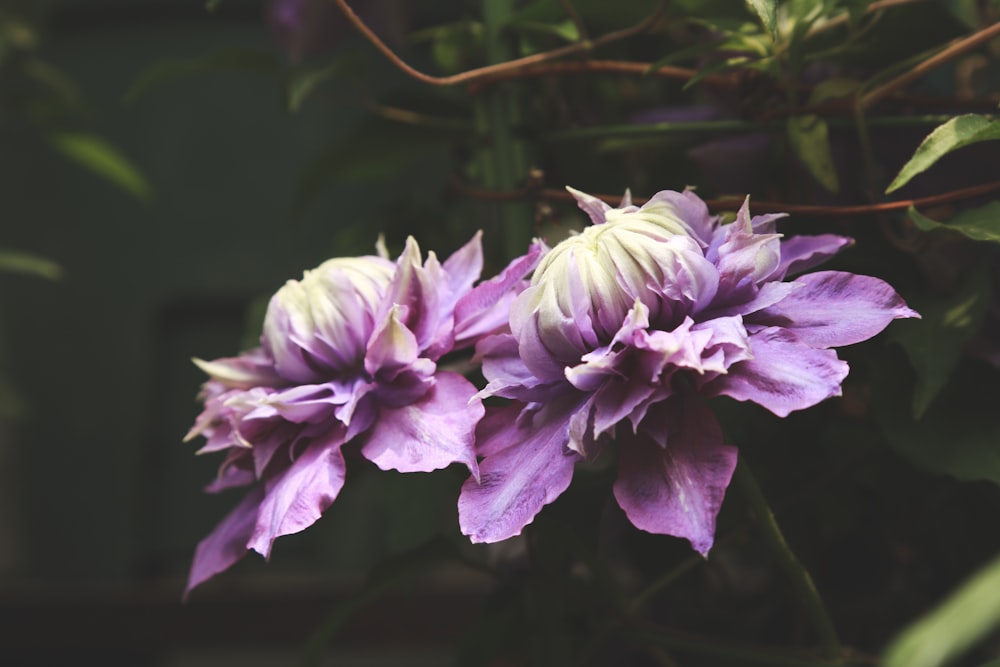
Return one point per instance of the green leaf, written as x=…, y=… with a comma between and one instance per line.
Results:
x=767, y=13
x=303, y=82
x=103, y=159
x=212, y=5
x=935, y=343
x=967, y=616
x=15, y=261
x=956, y=133
x=979, y=224
x=227, y=60
x=809, y=138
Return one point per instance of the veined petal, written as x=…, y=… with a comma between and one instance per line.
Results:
x=392, y=347
x=833, y=308
x=227, y=543
x=526, y=466
x=463, y=267
x=296, y=498
x=800, y=253
x=677, y=489
x=432, y=433
x=784, y=374
x=744, y=259
x=419, y=289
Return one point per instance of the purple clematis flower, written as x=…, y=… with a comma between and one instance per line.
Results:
x=624, y=332
x=349, y=355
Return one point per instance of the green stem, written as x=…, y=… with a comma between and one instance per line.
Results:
x=721, y=126
x=794, y=569
x=500, y=111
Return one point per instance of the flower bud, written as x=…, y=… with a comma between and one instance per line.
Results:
x=319, y=326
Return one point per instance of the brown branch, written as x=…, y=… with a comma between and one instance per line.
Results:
x=731, y=203
x=608, y=66
x=499, y=68
x=955, y=49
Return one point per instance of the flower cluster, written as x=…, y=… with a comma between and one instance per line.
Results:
x=622, y=334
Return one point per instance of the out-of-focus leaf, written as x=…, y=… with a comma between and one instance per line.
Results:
x=454, y=46
x=735, y=62
x=766, y=12
x=956, y=133
x=565, y=29
x=15, y=261
x=967, y=616
x=935, y=343
x=832, y=89
x=232, y=60
x=103, y=159
x=387, y=575
x=55, y=80
x=303, y=82
x=212, y=5
x=979, y=224
x=809, y=138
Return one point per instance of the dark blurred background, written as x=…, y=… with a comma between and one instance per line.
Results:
x=100, y=501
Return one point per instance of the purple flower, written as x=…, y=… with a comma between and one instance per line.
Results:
x=624, y=332
x=349, y=355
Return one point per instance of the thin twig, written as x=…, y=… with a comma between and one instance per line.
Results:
x=499, y=68
x=950, y=52
x=609, y=66
x=733, y=203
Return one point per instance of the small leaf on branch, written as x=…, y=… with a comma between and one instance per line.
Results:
x=767, y=12
x=954, y=134
x=979, y=224
x=810, y=140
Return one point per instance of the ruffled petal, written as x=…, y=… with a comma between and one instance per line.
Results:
x=677, y=489
x=432, y=433
x=296, y=498
x=591, y=205
x=784, y=375
x=833, y=308
x=526, y=466
x=745, y=258
x=227, y=543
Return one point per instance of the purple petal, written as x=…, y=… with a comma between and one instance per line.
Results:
x=784, y=375
x=250, y=369
x=486, y=309
x=833, y=308
x=432, y=433
x=800, y=253
x=419, y=291
x=502, y=367
x=296, y=498
x=591, y=205
x=464, y=266
x=526, y=467
x=677, y=489
x=690, y=209
x=745, y=258
x=227, y=543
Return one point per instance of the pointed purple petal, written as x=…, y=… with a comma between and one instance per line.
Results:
x=432, y=433
x=486, y=309
x=464, y=266
x=784, y=375
x=678, y=489
x=800, y=253
x=745, y=258
x=833, y=308
x=296, y=498
x=250, y=369
x=527, y=466
x=591, y=205
x=227, y=543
